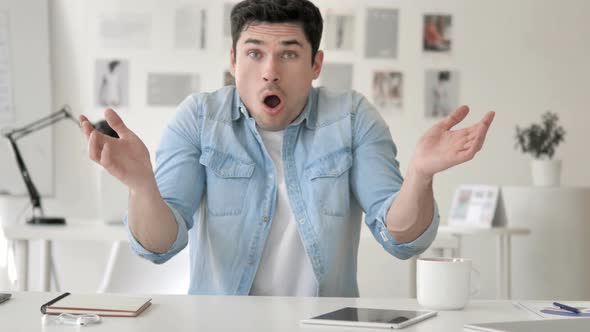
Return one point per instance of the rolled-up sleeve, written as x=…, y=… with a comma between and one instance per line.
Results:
x=408, y=249
x=159, y=258
x=376, y=180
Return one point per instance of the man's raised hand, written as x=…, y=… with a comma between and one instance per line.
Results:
x=126, y=158
x=441, y=147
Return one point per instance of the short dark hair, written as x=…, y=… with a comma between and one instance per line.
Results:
x=444, y=76
x=113, y=64
x=301, y=12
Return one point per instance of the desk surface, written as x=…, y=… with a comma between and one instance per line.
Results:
x=220, y=313
x=88, y=230
x=75, y=229
x=461, y=230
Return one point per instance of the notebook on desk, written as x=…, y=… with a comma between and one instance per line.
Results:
x=99, y=304
x=547, y=325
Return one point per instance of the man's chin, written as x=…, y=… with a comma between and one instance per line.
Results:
x=271, y=125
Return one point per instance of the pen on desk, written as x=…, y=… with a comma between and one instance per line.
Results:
x=567, y=307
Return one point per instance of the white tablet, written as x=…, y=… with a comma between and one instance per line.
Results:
x=375, y=318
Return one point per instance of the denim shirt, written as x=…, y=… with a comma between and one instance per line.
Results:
x=216, y=176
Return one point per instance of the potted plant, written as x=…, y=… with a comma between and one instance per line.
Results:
x=540, y=141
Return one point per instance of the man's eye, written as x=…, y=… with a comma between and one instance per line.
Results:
x=289, y=55
x=254, y=54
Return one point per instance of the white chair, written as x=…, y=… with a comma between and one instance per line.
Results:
x=129, y=273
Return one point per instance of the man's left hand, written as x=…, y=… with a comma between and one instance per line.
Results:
x=441, y=148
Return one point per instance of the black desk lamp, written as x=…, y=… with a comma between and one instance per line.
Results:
x=13, y=136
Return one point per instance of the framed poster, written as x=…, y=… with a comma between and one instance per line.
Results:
x=477, y=206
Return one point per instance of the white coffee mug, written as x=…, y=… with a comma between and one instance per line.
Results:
x=445, y=283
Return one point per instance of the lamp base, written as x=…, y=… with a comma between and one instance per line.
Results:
x=47, y=221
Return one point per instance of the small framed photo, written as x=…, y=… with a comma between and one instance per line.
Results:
x=436, y=35
x=111, y=83
x=475, y=206
x=339, y=31
x=441, y=95
x=387, y=90
x=337, y=76
x=381, y=33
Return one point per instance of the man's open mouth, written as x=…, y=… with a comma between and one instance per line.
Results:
x=272, y=101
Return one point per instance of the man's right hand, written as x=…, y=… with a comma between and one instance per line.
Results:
x=150, y=219
x=126, y=158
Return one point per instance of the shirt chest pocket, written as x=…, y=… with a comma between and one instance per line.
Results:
x=329, y=180
x=228, y=179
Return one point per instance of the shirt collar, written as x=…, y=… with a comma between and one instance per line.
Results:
x=309, y=114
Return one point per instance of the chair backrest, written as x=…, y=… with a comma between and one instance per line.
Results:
x=133, y=274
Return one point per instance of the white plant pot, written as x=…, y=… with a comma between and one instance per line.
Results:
x=546, y=172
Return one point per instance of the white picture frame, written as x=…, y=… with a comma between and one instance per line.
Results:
x=477, y=206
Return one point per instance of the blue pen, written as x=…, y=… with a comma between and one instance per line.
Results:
x=567, y=307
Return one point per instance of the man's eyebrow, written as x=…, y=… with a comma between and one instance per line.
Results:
x=253, y=41
x=284, y=43
x=291, y=42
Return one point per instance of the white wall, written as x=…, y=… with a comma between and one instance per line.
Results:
x=519, y=58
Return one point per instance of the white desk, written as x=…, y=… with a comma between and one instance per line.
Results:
x=74, y=230
x=503, y=255
x=94, y=230
x=260, y=314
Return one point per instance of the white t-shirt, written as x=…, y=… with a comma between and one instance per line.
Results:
x=285, y=269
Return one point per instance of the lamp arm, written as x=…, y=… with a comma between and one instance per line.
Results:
x=63, y=113
x=33, y=193
x=18, y=133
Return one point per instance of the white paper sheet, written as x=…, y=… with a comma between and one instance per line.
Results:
x=546, y=309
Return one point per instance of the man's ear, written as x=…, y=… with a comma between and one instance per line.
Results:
x=232, y=62
x=317, y=64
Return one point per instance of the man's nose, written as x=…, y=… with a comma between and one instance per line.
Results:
x=271, y=70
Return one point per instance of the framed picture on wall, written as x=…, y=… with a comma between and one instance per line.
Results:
x=387, y=90
x=436, y=35
x=476, y=206
x=337, y=76
x=111, y=83
x=190, y=27
x=381, y=33
x=339, y=28
x=441, y=92
x=170, y=89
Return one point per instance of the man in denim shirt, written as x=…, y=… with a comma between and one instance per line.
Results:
x=268, y=180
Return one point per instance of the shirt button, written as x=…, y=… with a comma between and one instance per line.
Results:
x=265, y=219
x=250, y=261
x=302, y=221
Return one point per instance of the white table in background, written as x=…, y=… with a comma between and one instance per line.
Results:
x=449, y=239
x=245, y=314
x=73, y=230
x=503, y=254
